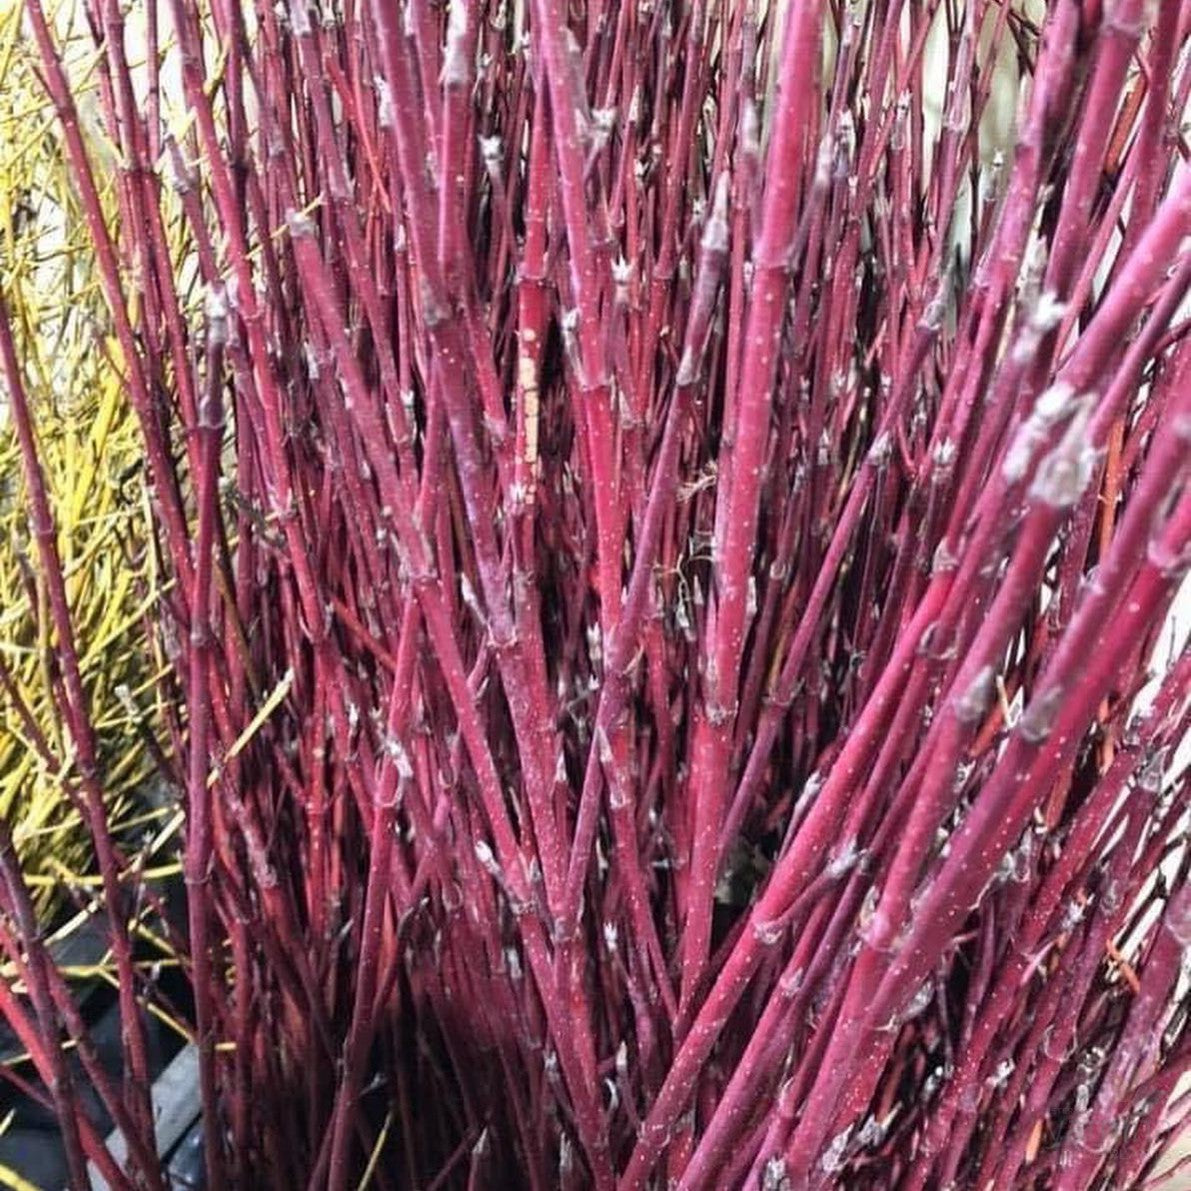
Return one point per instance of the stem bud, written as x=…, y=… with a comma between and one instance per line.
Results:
x=973, y=704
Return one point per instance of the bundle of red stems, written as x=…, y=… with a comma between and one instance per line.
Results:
x=667, y=534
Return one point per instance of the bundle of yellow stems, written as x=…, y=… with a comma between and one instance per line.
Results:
x=89, y=450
